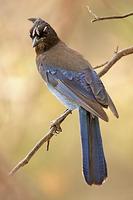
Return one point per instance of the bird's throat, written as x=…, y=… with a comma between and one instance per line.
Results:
x=45, y=46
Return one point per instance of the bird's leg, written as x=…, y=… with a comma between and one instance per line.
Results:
x=56, y=123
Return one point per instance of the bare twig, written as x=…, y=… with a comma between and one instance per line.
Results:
x=117, y=56
x=48, y=144
x=99, y=66
x=55, y=128
x=116, y=50
x=96, y=18
x=105, y=63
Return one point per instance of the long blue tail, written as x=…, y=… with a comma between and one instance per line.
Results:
x=94, y=164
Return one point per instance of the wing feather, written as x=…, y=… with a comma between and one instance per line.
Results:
x=74, y=91
x=88, y=104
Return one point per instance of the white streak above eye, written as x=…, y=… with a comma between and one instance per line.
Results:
x=45, y=28
x=37, y=31
x=34, y=31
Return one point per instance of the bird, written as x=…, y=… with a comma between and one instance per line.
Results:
x=72, y=79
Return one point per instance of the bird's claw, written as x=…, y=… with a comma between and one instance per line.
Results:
x=57, y=126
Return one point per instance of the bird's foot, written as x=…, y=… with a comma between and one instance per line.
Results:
x=56, y=125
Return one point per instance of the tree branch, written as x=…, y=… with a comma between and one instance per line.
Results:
x=96, y=18
x=117, y=56
x=55, y=128
x=99, y=66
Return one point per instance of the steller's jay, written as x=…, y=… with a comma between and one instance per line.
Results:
x=74, y=82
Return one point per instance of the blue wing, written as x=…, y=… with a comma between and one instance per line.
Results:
x=88, y=93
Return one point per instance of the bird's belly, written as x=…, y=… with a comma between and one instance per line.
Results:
x=66, y=102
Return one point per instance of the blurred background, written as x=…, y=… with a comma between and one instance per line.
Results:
x=27, y=107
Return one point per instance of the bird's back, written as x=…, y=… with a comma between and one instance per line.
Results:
x=63, y=56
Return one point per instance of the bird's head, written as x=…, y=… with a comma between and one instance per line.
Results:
x=42, y=34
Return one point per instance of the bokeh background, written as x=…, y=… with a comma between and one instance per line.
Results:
x=27, y=107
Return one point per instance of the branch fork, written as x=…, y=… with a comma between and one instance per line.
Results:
x=114, y=17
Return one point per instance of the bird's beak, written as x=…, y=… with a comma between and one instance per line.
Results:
x=35, y=42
